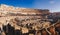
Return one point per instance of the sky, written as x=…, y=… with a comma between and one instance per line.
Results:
x=52, y=5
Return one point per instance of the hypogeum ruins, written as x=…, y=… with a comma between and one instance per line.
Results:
x=25, y=21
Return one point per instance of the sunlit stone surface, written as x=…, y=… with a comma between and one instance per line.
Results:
x=25, y=21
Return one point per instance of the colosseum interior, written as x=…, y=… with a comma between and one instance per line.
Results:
x=25, y=21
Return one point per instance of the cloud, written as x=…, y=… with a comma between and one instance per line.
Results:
x=52, y=2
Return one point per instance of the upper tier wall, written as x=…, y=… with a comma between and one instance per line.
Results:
x=5, y=9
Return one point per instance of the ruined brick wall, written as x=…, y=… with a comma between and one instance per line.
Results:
x=6, y=8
